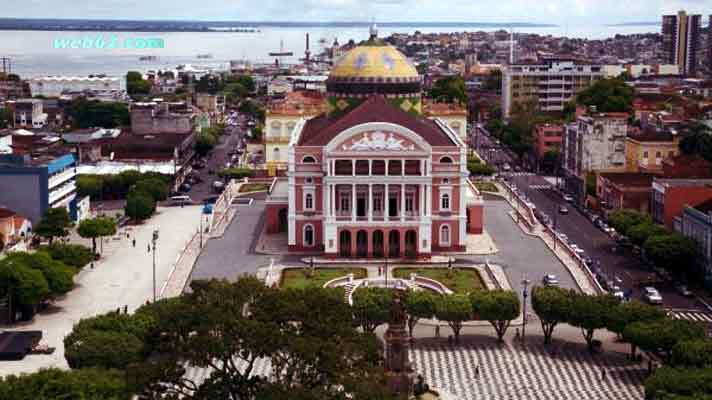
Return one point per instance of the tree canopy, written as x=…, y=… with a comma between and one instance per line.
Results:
x=139, y=205
x=674, y=252
x=661, y=336
x=450, y=89
x=54, y=223
x=498, y=307
x=136, y=85
x=371, y=307
x=591, y=313
x=608, y=95
x=94, y=113
x=93, y=228
x=454, y=309
x=418, y=304
x=52, y=384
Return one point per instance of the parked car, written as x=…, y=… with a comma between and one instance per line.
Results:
x=550, y=280
x=652, y=296
x=563, y=210
x=184, y=188
x=568, y=198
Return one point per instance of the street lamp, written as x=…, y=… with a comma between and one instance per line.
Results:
x=154, y=240
x=525, y=283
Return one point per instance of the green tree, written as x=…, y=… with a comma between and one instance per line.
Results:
x=550, y=161
x=692, y=353
x=477, y=168
x=608, y=95
x=623, y=220
x=59, y=276
x=94, y=113
x=139, y=205
x=661, y=336
x=234, y=92
x=136, y=85
x=371, y=307
x=5, y=117
x=553, y=305
x=493, y=81
x=418, y=304
x=52, y=384
x=236, y=173
x=626, y=313
x=254, y=109
x=53, y=224
x=246, y=81
x=450, y=89
x=157, y=188
x=204, y=143
x=454, y=309
x=96, y=228
x=674, y=252
x=498, y=307
x=74, y=255
x=667, y=383
x=638, y=234
x=697, y=140
x=90, y=185
x=209, y=84
x=23, y=286
x=591, y=313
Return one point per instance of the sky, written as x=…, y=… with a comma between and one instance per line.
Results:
x=560, y=12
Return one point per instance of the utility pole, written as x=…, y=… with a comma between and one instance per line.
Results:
x=154, y=240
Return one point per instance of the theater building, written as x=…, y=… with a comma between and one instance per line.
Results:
x=373, y=177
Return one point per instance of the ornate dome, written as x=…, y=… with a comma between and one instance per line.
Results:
x=374, y=60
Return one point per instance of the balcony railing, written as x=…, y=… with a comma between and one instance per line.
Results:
x=61, y=177
x=61, y=191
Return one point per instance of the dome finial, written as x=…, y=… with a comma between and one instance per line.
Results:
x=373, y=31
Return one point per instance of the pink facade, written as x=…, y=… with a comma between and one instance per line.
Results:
x=549, y=137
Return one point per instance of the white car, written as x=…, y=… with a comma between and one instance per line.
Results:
x=550, y=280
x=568, y=197
x=652, y=296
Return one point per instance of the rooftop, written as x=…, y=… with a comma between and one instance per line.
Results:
x=705, y=207
x=319, y=131
x=629, y=178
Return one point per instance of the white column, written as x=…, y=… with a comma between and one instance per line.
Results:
x=324, y=198
x=353, y=167
x=421, y=200
x=370, y=201
x=428, y=200
x=402, y=167
x=387, y=163
x=402, y=211
x=386, y=203
x=333, y=199
x=353, y=202
x=370, y=167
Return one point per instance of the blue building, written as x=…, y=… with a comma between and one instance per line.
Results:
x=31, y=185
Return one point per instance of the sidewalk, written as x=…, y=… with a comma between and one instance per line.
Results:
x=123, y=277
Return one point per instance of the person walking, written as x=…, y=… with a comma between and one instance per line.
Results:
x=477, y=370
x=149, y=248
x=603, y=374
x=133, y=242
x=437, y=330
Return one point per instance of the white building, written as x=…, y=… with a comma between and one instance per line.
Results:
x=54, y=86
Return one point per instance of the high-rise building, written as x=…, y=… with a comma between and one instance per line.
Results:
x=681, y=40
x=550, y=83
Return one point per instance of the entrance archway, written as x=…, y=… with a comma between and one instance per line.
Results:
x=378, y=244
x=283, y=220
x=394, y=244
x=361, y=244
x=345, y=244
x=411, y=244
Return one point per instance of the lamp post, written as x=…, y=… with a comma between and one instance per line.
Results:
x=525, y=283
x=385, y=270
x=154, y=240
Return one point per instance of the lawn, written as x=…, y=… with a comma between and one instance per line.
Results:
x=296, y=277
x=254, y=187
x=460, y=280
x=486, y=187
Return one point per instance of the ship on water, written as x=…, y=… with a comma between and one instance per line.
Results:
x=204, y=56
x=148, y=58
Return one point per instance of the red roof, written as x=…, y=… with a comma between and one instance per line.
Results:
x=321, y=130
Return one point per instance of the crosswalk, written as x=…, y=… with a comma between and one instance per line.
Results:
x=541, y=187
x=692, y=315
x=521, y=174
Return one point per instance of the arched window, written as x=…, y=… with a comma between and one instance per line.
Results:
x=445, y=201
x=308, y=236
x=446, y=160
x=275, y=154
x=309, y=201
x=445, y=235
x=308, y=160
x=446, y=181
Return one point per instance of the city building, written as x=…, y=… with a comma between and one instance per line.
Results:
x=639, y=70
x=624, y=190
x=373, y=177
x=687, y=166
x=28, y=113
x=452, y=114
x=40, y=183
x=646, y=151
x=596, y=142
x=155, y=118
x=281, y=117
x=55, y=86
x=13, y=227
x=548, y=137
x=681, y=40
x=696, y=222
x=670, y=196
x=210, y=103
x=550, y=83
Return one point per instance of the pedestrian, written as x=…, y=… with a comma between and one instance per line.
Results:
x=127, y=235
x=650, y=366
x=516, y=334
x=149, y=248
x=437, y=330
x=603, y=374
x=133, y=242
x=126, y=309
x=92, y=265
x=449, y=340
x=477, y=370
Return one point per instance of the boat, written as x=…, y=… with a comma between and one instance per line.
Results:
x=204, y=56
x=148, y=58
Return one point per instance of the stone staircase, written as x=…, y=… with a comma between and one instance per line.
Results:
x=348, y=289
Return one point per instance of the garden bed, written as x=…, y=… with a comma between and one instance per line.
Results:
x=297, y=277
x=254, y=187
x=459, y=280
x=486, y=187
